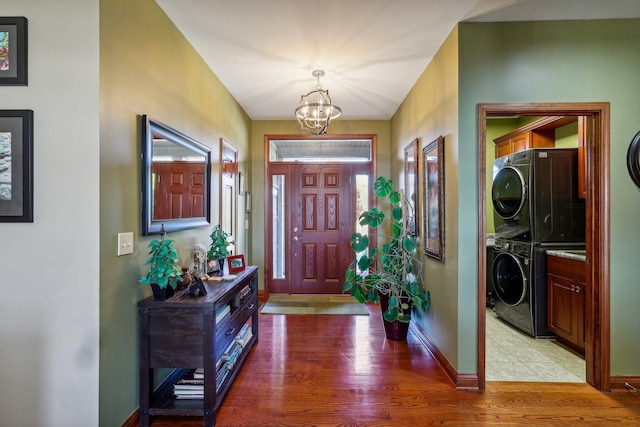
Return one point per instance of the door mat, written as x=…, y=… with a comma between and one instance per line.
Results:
x=314, y=304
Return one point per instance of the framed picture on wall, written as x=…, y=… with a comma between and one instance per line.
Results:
x=433, y=204
x=411, y=184
x=16, y=166
x=13, y=51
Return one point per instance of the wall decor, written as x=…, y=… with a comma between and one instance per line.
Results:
x=176, y=180
x=236, y=263
x=241, y=183
x=433, y=182
x=13, y=51
x=633, y=159
x=16, y=166
x=411, y=185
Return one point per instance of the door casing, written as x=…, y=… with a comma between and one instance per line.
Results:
x=597, y=312
x=284, y=285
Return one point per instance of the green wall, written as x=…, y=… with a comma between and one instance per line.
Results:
x=568, y=61
x=147, y=67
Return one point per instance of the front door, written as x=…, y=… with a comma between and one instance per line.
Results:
x=312, y=212
x=321, y=217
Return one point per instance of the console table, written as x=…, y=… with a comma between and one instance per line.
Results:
x=182, y=333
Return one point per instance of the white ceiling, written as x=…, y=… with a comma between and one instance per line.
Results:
x=372, y=51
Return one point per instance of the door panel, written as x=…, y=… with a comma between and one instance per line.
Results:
x=179, y=190
x=321, y=226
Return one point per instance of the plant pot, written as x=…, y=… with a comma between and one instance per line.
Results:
x=161, y=294
x=222, y=261
x=396, y=330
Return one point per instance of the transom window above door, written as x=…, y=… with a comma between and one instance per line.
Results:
x=320, y=150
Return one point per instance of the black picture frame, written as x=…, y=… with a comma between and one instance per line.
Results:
x=433, y=190
x=16, y=166
x=13, y=51
x=633, y=159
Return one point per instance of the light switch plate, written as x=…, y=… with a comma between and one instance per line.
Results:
x=125, y=243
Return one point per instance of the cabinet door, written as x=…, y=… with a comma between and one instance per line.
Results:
x=578, y=305
x=561, y=308
x=503, y=148
x=520, y=142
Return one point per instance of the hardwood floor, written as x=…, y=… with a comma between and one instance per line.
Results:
x=341, y=371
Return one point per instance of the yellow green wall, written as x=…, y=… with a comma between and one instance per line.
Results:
x=431, y=110
x=147, y=67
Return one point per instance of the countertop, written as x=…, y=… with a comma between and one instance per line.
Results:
x=575, y=254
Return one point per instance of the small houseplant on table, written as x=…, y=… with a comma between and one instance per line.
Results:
x=164, y=269
x=220, y=244
x=390, y=275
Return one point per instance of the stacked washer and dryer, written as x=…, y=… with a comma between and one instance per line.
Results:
x=536, y=207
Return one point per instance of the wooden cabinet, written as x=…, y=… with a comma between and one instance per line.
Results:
x=537, y=134
x=183, y=333
x=512, y=143
x=566, y=291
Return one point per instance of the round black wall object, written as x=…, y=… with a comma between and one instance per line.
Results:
x=633, y=159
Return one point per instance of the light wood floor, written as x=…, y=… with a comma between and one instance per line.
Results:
x=341, y=371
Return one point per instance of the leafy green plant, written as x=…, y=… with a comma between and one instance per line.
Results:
x=164, y=267
x=395, y=270
x=221, y=241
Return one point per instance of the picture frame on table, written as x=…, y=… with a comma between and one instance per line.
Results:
x=16, y=166
x=236, y=263
x=13, y=51
x=433, y=200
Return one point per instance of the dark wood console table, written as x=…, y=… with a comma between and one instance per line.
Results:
x=182, y=333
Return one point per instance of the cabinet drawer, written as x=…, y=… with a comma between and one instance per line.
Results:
x=569, y=268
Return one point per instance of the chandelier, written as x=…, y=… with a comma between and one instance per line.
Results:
x=315, y=110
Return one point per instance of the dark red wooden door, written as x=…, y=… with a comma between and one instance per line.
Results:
x=179, y=190
x=321, y=221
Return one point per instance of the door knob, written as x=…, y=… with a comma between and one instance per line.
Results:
x=296, y=238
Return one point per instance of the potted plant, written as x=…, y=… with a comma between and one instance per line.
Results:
x=390, y=275
x=221, y=241
x=164, y=269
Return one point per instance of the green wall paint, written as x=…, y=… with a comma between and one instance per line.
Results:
x=154, y=72
x=566, y=61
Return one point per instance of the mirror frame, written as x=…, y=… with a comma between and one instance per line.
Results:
x=149, y=224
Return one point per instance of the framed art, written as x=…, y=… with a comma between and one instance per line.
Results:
x=16, y=166
x=241, y=183
x=236, y=263
x=13, y=51
x=433, y=182
x=411, y=185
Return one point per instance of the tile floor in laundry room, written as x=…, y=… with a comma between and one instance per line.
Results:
x=512, y=355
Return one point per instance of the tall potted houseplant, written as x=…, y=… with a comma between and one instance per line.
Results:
x=221, y=242
x=164, y=268
x=390, y=274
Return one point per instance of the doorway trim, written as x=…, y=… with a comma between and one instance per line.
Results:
x=364, y=167
x=597, y=308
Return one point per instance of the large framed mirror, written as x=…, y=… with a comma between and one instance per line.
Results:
x=176, y=180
